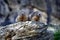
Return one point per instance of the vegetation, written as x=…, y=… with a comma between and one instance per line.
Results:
x=57, y=35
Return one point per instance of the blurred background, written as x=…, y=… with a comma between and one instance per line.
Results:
x=10, y=7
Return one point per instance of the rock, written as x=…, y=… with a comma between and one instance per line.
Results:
x=25, y=31
x=3, y=8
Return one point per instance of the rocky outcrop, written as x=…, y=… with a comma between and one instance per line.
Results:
x=26, y=30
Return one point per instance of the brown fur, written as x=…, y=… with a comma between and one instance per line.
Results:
x=36, y=18
x=22, y=18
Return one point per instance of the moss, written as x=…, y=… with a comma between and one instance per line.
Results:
x=57, y=35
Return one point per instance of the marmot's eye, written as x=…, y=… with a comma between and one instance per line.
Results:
x=39, y=15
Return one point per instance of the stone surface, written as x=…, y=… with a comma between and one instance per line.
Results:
x=27, y=31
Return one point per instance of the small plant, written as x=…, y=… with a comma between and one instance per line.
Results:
x=57, y=35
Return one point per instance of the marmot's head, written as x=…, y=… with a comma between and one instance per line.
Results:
x=22, y=18
x=36, y=18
